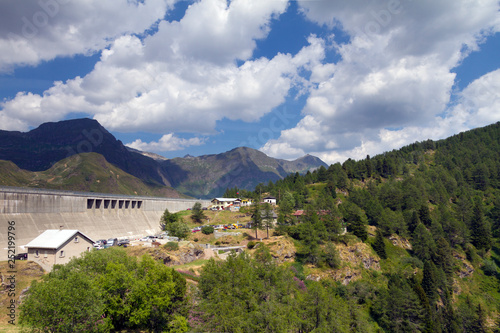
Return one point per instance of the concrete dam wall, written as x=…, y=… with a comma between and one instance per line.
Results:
x=99, y=216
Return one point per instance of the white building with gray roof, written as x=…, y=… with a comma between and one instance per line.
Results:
x=57, y=247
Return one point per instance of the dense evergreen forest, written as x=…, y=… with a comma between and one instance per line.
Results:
x=443, y=197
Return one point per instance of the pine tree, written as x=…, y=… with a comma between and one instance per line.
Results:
x=479, y=229
x=429, y=281
x=424, y=246
x=168, y=218
x=358, y=228
x=256, y=218
x=197, y=213
x=425, y=215
x=444, y=258
x=479, y=322
x=267, y=218
x=414, y=221
x=379, y=245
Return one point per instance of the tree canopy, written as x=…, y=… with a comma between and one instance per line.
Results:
x=106, y=291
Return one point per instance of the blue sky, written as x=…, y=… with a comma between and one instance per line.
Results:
x=334, y=79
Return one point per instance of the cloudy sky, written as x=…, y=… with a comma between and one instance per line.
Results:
x=332, y=78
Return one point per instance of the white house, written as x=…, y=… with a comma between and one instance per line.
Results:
x=223, y=203
x=270, y=200
x=55, y=246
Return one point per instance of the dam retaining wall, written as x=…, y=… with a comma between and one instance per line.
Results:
x=99, y=216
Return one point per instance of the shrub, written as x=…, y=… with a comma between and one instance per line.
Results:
x=251, y=245
x=196, y=239
x=490, y=268
x=413, y=261
x=171, y=246
x=281, y=230
x=298, y=270
x=207, y=230
x=330, y=256
x=300, y=284
x=217, y=243
x=178, y=229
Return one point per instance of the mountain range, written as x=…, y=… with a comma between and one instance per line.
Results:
x=81, y=149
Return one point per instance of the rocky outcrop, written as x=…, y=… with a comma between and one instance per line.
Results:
x=358, y=254
x=282, y=250
x=466, y=268
x=182, y=256
x=400, y=242
x=355, y=258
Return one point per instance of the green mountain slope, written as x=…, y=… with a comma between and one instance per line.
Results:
x=429, y=216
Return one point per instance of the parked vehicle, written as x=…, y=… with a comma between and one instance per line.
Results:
x=111, y=242
x=100, y=244
x=123, y=242
x=21, y=256
x=147, y=239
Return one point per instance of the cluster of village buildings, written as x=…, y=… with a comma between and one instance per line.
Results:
x=58, y=246
x=234, y=204
x=54, y=247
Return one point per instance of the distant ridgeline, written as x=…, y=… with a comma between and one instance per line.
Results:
x=82, y=155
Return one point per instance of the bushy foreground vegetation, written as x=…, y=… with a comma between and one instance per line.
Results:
x=107, y=291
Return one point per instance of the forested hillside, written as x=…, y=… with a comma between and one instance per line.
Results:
x=442, y=196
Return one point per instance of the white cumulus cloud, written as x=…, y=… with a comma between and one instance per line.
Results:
x=34, y=31
x=394, y=80
x=172, y=82
x=168, y=142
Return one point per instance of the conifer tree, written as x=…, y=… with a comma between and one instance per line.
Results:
x=197, y=213
x=414, y=221
x=479, y=229
x=479, y=322
x=256, y=218
x=444, y=258
x=424, y=246
x=267, y=218
x=379, y=245
x=358, y=228
x=425, y=215
x=168, y=218
x=429, y=281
